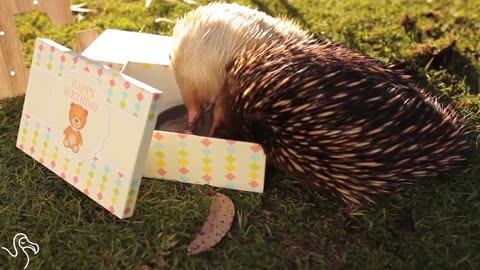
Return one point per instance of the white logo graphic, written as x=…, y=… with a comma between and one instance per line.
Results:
x=21, y=240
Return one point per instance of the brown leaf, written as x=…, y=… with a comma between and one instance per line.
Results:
x=218, y=223
x=424, y=49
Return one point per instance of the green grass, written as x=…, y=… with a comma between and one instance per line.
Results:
x=434, y=224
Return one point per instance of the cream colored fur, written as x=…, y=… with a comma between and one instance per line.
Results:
x=207, y=38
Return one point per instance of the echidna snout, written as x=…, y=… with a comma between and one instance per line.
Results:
x=207, y=38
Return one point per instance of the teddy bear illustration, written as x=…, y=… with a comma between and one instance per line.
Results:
x=78, y=118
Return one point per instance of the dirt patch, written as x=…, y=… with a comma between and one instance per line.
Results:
x=431, y=15
x=409, y=23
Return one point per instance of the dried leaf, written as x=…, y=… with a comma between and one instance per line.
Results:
x=79, y=17
x=218, y=223
x=190, y=2
x=79, y=5
x=79, y=8
x=160, y=19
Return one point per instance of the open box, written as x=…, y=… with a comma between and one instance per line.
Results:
x=94, y=126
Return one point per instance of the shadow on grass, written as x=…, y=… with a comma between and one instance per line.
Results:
x=263, y=7
x=291, y=10
x=293, y=13
x=450, y=59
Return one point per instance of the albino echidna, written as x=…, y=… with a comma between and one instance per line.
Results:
x=210, y=36
x=337, y=119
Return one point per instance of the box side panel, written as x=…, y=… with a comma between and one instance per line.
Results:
x=114, y=66
x=202, y=160
x=160, y=77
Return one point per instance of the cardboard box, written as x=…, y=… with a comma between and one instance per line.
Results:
x=174, y=156
x=94, y=126
x=139, y=55
x=114, y=48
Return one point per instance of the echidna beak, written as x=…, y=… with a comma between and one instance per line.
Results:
x=195, y=114
x=193, y=118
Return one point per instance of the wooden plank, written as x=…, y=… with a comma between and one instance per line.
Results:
x=58, y=11
x=21, y=6
x=13, y=73
x=84, y=38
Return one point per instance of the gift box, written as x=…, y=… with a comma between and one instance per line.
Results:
x=140, y=55
x=93, y=125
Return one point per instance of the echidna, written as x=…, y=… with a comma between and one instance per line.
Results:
x=210, y=36
x=337, y=119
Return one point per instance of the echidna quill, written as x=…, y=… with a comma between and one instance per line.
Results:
x=208, y=37
x=338, y=120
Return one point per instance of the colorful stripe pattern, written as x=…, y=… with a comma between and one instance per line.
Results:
x=202, y=160
x=80, y=174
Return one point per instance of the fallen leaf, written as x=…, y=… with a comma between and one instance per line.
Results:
x=79, y=17
x=424, y=49
x=191, y=2
x=79, y=8
x=160, y=19
x=79, y=5
x=218, y=223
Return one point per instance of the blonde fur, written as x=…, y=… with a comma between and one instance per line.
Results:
x=210, y=36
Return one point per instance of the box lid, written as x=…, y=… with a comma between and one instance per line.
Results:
x=90, y=125
x=118, y=46
x=159, y=76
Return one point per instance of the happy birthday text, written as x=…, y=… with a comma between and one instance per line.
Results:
x=82, y=94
